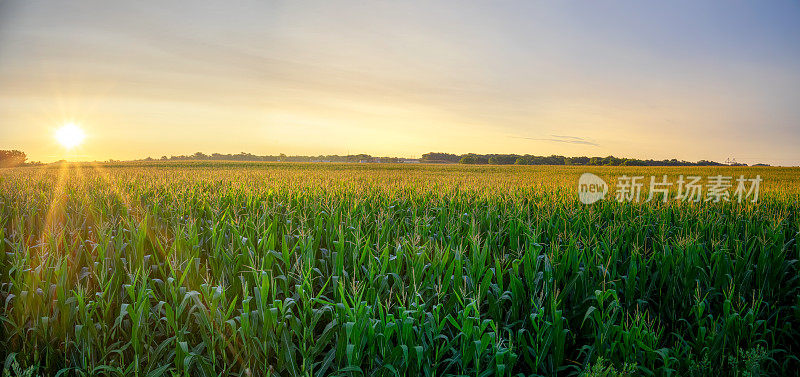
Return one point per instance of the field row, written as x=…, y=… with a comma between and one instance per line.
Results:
x=300, y=269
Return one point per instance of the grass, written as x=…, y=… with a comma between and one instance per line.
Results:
x=253, y=269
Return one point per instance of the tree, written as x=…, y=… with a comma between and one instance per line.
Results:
x=438, y=157
x=582, y=160
x=12, y=158
x=503, y=159
x=469, y=159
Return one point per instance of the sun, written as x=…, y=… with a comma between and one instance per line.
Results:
x=70, y=135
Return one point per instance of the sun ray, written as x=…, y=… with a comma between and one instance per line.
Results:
x=55, y=201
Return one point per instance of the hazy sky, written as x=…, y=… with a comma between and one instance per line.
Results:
x=685, y=79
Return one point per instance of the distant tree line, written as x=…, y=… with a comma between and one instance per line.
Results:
x=515, y=159
x=450, y=158
x=10, y=158
x=280, y=157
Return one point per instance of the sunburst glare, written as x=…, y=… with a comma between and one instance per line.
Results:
x=70, y=135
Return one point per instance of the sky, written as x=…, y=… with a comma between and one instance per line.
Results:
x=642, y=79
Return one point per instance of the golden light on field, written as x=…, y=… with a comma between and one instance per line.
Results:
x=70, y=135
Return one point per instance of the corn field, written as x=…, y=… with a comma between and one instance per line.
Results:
x=253, y=269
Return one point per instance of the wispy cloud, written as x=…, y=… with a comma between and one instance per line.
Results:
x=562, y=139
